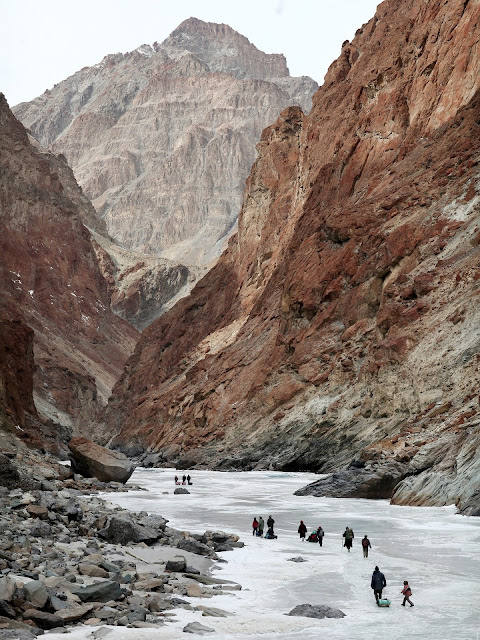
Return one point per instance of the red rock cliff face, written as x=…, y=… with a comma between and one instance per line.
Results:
x=342, y=321
x=53, y=295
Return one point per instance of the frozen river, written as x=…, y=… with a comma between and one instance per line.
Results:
x=434, y=549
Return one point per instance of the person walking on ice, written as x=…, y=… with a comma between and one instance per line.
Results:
x=270, y=523
x=365, y=545
x=255, y=526
x=378, y=583
x=349, y=536
x=302, y=530
x=320, y=534
x=407, y=592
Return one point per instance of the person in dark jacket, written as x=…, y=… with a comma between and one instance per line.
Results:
x=365, y=545
x=320, y=534
x=184, y=479
x=378, y=583
x=302, y=530
x=349, y=536
x=270, y=523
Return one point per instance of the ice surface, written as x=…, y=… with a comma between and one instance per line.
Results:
x=432, y=548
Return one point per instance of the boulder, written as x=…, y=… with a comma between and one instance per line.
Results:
x=36, y=511
x=91, y=460
x=6, y=610
x=177, y=563
x=43, y=619
x=297, y=559
x=7, y=588
x=36, y=593
x=73, y=614
x=316, y=611
x=198, y=628
x=15, y=630
x=92, y=570
x=214, y=612
x=181, y=490
x=99, y=592
x=123, y=530
x=194, y=547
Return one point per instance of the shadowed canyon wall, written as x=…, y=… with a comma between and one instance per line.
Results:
x=340, y=329
x=61, y=344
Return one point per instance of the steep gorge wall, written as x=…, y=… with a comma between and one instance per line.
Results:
x=62, y=347
x=340, y=329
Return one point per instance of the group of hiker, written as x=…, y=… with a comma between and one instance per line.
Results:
x=258, y=527
x=185, y=480
x=378, y=581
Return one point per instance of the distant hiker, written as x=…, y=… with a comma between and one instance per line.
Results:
x=255, y=526
x=320, y=534
x=176, y=480
x=365, y=545
x=348, y=535
x=407, y=592
x=184, y=479
x=261, y=526
x=270, y=523
x=189, y=480
x=302, y=530
x=377, y=583
x=270, y=535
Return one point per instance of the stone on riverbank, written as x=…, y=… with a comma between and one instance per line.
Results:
x=316, y=611
x=198, y=628
x=91, y=460
x=181, y=490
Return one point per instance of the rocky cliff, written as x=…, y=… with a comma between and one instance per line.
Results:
x=62, y=348
x=161, y=139
x=340, y=330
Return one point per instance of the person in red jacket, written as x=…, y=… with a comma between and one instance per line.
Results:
x=302, y=530
x=255, y=526
x=407, y=592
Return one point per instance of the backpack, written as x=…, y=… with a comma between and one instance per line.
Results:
x=365, y=542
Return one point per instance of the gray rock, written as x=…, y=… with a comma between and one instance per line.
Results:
x=316, y=611
x=99, y=592
x=43, y=619
x=7, y=588
x=36, y=593
x=214, y=612
x=197, y=627
x=123, y=530
x=19, y=632
x=181, y=490
x=73, y=614
x=194, y=547
x=297, y=559
x=90, y=459
x=177, y=563
x=6, y=610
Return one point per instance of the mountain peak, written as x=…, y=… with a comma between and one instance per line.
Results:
x=224, y=50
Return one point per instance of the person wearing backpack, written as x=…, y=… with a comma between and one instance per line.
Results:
x=320, y=534
x=365, y=545
x=349, y=536
x=255, y=526
x=407, y=592
x=261, y=526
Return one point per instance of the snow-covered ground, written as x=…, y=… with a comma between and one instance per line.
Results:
x=434, y=549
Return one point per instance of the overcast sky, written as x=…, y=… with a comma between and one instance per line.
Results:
x=42, y=42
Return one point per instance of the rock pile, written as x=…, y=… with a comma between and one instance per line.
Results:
x=64, y=560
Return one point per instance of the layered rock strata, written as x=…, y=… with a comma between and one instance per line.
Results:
x=162, y=138
x=61, y=344
x=341, y=325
